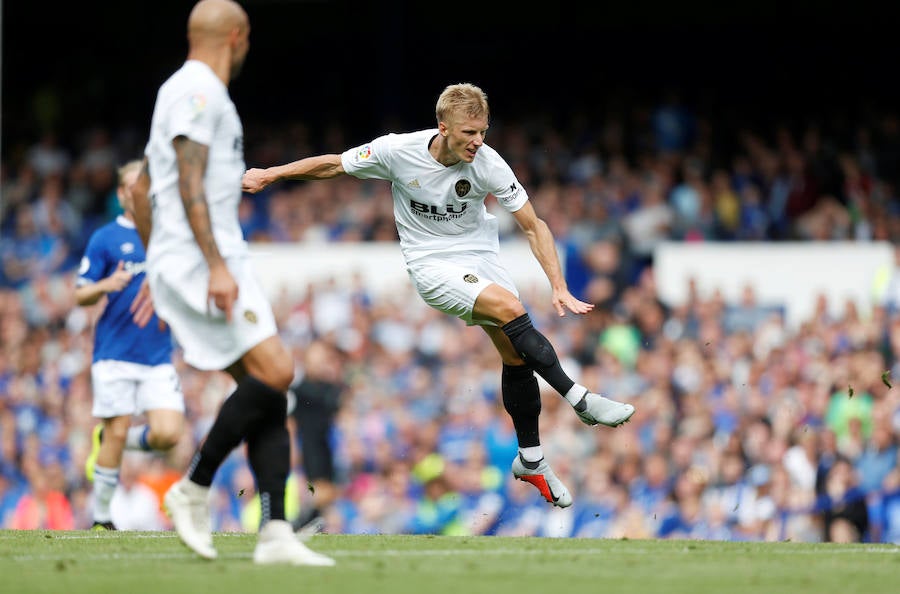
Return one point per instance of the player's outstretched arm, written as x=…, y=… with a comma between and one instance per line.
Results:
x=543, y=246
x=310, y=168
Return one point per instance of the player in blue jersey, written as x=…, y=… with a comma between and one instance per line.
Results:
x=132, y=371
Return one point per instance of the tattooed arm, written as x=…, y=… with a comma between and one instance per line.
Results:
x=192, y=157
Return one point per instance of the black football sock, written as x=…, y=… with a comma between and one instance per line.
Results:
x=522, y=400
x=239, y=416
x=537, y=352
x=269, y=455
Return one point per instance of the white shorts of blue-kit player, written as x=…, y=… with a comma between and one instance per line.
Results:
x=124, y=388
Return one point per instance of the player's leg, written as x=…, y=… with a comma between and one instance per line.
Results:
x=499, y=305
x=114, y=401
x=258, y=398
x=522, y=400
x=163, y=430
x=106, y=469
x=241, y=415
x=269, y=452
x=159, y=396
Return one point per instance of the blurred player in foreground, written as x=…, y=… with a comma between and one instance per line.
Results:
x=202, y=283
x=439, y=179
x=132, y=371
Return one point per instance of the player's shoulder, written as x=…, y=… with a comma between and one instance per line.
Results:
x=114, y=230
x=402, y=139
x=489, y=159
x=193, y=77
x=105, y=231
x=490, y=153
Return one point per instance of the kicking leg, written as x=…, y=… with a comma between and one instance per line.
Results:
x=498, y=304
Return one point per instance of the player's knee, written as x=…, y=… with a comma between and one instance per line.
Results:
x=538, y=352
x=165, y=436
x=509, y=309
x=165, y=441
x=116, y=432
x=512, y=359
x=280, y=373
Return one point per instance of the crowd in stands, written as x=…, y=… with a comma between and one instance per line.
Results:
x=746, y=429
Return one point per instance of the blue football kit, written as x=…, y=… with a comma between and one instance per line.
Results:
x=117, y=337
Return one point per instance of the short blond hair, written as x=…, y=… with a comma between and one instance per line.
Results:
x=124, y=170
x=464, y=98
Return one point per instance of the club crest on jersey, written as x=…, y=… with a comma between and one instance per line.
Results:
x=470, y=278
x=462, y=187
x=364, y=152
x=250, y=316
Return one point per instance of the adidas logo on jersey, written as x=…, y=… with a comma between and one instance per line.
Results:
x=414, y=184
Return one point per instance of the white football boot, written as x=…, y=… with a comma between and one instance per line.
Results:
x=278, y=544
x=542, y=477
x=187, y=503
x=603, y=411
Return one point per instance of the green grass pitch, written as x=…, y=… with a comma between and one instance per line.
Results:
x=157, y=563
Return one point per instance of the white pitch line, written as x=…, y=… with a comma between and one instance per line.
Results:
x=102, y=535
x=433, y=553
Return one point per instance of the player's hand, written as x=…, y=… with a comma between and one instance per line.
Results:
x=118, y=280
x=254, y=180
x=563, y=300
x=223, y=290
x=141, y=307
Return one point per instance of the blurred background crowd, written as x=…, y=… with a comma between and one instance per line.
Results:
x=746, y=428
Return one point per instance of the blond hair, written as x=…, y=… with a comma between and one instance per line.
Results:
x=127, y=168
x=463, y=98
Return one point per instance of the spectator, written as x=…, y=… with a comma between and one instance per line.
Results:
x=29, y=253
x=878, y=458
x=42, y=507
x=845, y=516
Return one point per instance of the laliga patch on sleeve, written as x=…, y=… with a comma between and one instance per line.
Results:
x=198, y=104
x=85, y=266
x=364, y=152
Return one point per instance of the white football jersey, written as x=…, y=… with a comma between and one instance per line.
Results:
x=438, y=209
x=194, y=103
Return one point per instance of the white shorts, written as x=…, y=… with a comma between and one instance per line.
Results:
x=452, y=283
x=209, y=342
x=124, y=388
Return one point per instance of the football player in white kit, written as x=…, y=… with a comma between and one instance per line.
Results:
x=203, y=286
x=440, y=178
